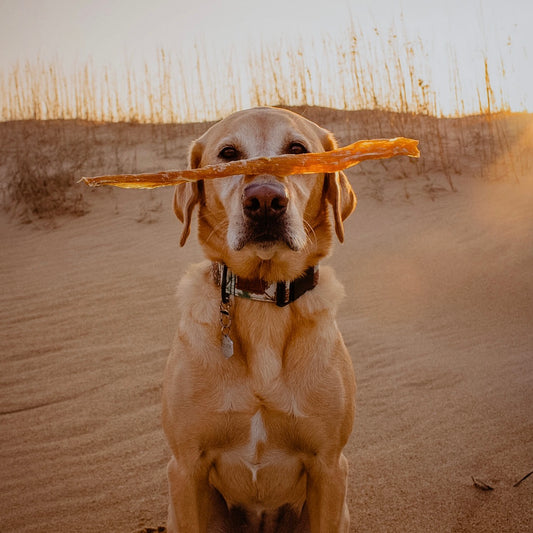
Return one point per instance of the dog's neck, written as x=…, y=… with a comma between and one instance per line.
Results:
x=281, y=293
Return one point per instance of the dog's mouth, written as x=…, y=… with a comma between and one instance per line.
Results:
x=266, y=240
x=266, y=222
x=268, y=236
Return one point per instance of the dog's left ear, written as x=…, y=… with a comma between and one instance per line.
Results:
x=340, y=195
x=188, y=195
x=338, y=192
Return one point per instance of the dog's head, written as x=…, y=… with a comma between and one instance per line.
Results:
x=269, y=226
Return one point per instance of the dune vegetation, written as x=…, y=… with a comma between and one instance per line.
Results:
x=51, y=116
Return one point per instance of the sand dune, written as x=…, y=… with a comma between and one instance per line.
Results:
x=438, y=318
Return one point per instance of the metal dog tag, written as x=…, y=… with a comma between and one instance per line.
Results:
x=227, y=346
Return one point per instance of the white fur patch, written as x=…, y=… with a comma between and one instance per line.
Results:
x=257, y=430
x=257, y=435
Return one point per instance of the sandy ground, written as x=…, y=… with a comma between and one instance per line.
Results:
x=438, y=318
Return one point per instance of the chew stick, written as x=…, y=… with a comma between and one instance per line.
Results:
x=282, y=165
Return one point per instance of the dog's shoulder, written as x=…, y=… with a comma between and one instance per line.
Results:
x=196, y=295
x=325, y=297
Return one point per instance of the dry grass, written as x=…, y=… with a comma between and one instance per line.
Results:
x=44, y=159
x=357, y=86
x=372, y=69
x=41, y=160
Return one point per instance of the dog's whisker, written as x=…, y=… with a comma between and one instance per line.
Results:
x=221, y=223
x=218, y=229
x=215, y=231
x=310, y=232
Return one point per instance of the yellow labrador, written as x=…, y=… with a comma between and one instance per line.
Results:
x=259, y=389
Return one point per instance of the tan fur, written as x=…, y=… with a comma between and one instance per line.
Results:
x=257, y=439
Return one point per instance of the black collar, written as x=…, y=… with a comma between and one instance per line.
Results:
x=281, y=293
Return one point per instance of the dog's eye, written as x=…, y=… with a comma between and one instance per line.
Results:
x=297, y=148
x=229, y=153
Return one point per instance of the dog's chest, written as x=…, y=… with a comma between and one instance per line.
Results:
x=262, y=380
x=262, y=466
x=252, y=453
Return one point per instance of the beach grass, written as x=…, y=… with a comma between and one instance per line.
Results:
x=359, y=85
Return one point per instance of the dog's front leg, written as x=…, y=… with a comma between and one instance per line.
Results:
x=326, y=496
x=189, y=507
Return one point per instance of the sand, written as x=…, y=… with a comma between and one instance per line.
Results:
x=438, y=318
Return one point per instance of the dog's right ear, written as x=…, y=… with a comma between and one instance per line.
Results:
x=338, y=190
x=188, y=195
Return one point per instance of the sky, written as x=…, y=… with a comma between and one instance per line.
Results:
x=112, y=31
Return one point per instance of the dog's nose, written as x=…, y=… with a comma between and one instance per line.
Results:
x=265, y=200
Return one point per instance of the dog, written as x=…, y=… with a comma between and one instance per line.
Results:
x=259, y=390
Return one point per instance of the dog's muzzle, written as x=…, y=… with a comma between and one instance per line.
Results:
x=264, y=206
x=265, y=202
